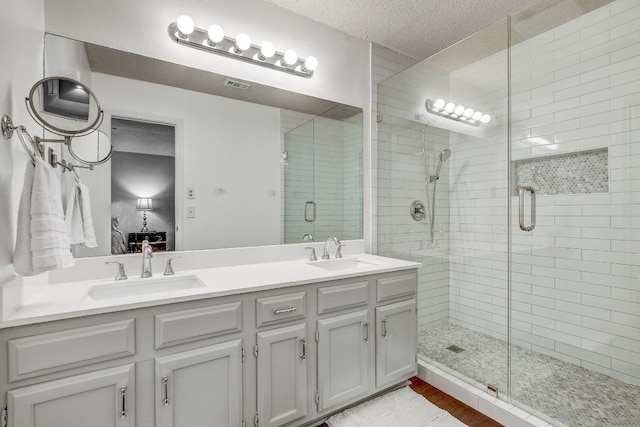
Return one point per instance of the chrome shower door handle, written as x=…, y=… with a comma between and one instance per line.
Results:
x=311, y=218
x=521, y=191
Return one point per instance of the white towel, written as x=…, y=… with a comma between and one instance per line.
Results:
x=42, y=233
x=78, y=217
x=22, y=261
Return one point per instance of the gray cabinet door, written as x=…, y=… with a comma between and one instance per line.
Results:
x=201, y=387
x=396, y=342
x=102, y=398
x=282, y=375
x=343, y=358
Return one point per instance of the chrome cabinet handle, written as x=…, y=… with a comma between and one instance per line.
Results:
x=366, y=332
x=303, y=356
x=384, y=328
x=123, y=402
x=284, y=310
x=165, y=387
x=306, y=211
x=521, y=191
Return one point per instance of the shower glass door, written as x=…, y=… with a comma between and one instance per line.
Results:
x=463, y=282
x=575, y=263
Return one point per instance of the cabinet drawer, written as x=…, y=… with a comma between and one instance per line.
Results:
x=280, y=308
x=396, y=286
x=333, y=298
x=56, y=351
x=185, y=326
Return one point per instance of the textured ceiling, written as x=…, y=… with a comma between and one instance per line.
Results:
x=417, y=28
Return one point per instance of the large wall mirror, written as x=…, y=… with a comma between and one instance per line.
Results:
x=202, y=161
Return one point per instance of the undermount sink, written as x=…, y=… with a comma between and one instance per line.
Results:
x=137, y=287
x=342, y=264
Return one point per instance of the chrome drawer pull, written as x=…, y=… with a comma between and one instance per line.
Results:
x=123, y=397
x=165, y=386
x=303, y=356
x=284, y=310
x=384, y=328
x=366, y=332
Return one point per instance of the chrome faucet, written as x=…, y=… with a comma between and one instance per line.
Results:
x=147, y=253
x=120, y=275
x=325, y=253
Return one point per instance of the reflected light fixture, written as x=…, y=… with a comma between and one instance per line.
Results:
x=185, y=33
x=459, y=112
x=144, y=204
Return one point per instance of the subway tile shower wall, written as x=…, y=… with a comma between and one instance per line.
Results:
x=575, y=287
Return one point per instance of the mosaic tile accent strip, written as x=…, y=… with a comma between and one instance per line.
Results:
x=573, y=173
x=570, y=394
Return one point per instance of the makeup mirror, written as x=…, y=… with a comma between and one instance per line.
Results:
x=64, y=106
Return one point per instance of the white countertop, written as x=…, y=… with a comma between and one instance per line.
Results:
x=72, y=299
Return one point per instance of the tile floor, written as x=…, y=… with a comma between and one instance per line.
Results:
x=565, y=393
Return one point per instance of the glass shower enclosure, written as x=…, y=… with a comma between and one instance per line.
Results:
x=526, y=217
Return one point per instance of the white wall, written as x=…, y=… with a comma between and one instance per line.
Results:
x=21, y=32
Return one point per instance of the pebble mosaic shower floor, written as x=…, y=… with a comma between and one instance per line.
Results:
x=569, y=394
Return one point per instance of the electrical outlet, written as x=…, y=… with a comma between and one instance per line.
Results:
x=191, y=193
x=191, y=212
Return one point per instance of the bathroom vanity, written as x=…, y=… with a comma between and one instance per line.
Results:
x=280, y=343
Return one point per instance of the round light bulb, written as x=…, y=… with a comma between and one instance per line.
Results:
x=486, y=118
x=290, y=57
x=450, y=107
x=468, y=113
x=311, y=63
x=215, y=33
x=185, y=25
x=439, y=103
x=243, y=41
x=459, y=110
x=476, y=116
x=267, y=49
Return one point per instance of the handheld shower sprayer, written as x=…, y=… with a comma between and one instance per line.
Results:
x=444, y=156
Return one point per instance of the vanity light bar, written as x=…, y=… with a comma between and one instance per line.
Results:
x=213, y=40
x=458, y=112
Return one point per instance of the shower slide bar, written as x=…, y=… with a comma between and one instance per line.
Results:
x=521, y=191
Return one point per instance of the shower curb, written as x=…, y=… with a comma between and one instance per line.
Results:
x=499, y=410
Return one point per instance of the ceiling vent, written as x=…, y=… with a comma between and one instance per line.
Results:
x=236, y=84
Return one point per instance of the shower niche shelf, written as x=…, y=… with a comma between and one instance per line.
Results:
x=578, y=172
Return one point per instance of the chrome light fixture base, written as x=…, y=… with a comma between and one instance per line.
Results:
x=199, y=39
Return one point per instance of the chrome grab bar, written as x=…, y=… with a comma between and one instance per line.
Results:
x=521, y=191
x=284, y=310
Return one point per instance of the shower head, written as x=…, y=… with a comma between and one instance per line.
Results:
x=444, y=156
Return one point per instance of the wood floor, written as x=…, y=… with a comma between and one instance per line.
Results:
x=461, y=411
